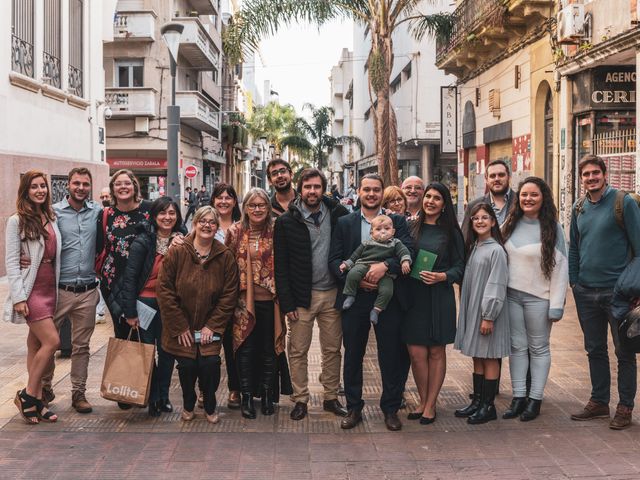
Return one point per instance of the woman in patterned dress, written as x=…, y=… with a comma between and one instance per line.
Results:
x=33, y=232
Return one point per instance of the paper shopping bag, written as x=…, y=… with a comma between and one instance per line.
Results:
x=127, y=371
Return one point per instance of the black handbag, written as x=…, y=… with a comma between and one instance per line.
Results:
x=629, y=331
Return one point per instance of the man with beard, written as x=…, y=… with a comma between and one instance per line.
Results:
x=603, y=241
x=105, y=197
x=307, y=290
x=77, y=219
x=413, y=188
x=350, y=231
x=500, y=196
x=279, y=174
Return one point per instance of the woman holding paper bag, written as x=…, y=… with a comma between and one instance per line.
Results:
x=198, y=292
x=139, y=287
x=430, y=324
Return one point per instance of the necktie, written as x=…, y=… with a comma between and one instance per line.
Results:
x=316, y=218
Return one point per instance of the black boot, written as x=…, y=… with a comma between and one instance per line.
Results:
x=267, y=402
x=531, y=411
x=487, y=410
x=517, y=407
x=475, y=398
x=246, y=406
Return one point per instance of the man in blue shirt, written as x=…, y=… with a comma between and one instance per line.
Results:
x=599, y=251
x=77, y=218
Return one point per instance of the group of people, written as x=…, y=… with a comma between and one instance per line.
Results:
x=253, y=277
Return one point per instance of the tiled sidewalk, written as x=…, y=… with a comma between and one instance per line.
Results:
x=111, y=443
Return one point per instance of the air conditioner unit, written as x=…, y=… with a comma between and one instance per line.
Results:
x=494, y=102
x=571, y=23
x=142, y=125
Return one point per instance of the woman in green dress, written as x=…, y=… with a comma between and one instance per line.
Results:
x=430, y=324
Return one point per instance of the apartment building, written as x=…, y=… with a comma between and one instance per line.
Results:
x=139, y=86
x=501, y=53
x=51, y=94
x=342, y=161
x=597, y=56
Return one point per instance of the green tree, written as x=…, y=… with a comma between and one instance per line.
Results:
x=272, y=121
x=261, y=18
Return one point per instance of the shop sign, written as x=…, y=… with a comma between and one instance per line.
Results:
x=448, y=120
x=138, y=163
x=605, y=88
x=191, y=171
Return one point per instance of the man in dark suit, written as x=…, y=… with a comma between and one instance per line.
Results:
x=500, y=196
x=393, y=358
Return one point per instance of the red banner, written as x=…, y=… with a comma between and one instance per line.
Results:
x=138, y=163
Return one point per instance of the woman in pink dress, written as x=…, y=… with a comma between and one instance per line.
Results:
x=32, y=232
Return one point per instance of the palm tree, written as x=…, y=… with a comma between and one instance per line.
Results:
x=314, y=136
x=260, y=18
x=273, y=122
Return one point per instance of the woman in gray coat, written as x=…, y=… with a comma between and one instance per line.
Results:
x=33, y=292
x=483, y=323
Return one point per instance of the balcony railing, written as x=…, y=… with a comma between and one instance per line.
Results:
x=198, y=112
x=468, y=17
x=21, y=56
x=197, y=46
x=131, y=102
x=138, y=25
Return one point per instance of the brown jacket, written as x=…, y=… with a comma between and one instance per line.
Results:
x=192, y=295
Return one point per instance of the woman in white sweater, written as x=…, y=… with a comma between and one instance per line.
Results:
x=538, y=279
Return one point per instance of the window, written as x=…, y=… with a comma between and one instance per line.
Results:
x=129, y=73
x=76, y=8
x=51, y=46
x=22, y=37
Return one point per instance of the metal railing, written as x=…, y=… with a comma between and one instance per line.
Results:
x=21, y=56
x=618, y=150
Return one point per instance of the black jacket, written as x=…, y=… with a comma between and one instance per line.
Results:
x=485, y=199
x=276, y=208
x=346, y=238
x=292, y=255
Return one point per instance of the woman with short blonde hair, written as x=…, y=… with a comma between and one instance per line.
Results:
x=394, y=200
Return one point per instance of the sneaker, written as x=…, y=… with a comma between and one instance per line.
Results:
x=100, y=318
x=80, y=403
x=591, y=411
x=622, y=418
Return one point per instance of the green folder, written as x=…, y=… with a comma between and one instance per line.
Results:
x=424, y=261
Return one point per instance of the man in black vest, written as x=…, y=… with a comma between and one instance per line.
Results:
x=393, y=358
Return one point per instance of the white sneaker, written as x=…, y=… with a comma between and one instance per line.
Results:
x=100, y=318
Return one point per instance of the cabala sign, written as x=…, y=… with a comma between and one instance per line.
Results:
x=605, y=88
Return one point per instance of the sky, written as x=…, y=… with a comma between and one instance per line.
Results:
x=298, y=61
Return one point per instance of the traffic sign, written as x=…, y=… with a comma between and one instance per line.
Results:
x=190, y=171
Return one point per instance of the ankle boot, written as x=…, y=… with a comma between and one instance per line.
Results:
x=518, y=405
x=487, y=410
x=246, y=406
x=267, y=402
x=475, y=398
x=531, y=411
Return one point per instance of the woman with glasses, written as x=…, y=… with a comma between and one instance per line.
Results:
x=197, y=291
x=259, y=327
x=538, y=280
x=394, y=200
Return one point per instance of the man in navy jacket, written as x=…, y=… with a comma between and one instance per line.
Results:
x=393, y=358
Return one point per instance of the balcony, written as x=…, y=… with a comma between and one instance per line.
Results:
x=483, y=29
x=135, y=25
x=131, y=102
x=198, y=112
x=205, y=7
x=197, y=46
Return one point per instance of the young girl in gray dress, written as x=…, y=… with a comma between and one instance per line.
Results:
x=483, y=323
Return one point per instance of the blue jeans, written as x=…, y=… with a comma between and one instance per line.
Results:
x=161, y=375
x=530, y=332
x=593, y=305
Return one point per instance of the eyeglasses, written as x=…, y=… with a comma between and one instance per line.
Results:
x=256, y=206
x=203, y=223
x=483, y=218
x=413, y=187
x=396, y=200
x=122, y=184
x=280, y=171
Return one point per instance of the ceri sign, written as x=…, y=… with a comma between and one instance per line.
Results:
x=190, y=171
x=605, y=88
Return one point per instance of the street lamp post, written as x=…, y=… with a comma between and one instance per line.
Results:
x=171, y=33
x=263, y=148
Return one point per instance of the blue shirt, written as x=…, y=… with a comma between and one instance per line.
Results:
x=78, y=230
x=365, y=226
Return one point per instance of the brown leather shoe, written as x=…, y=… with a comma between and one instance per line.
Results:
x=299, y=411
x=47, y=396
x=622, y=418
x=79, y=402
x=392, y=422
x=233, y=401
x=351, y=420
x=591, y=411
x=334, y=406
